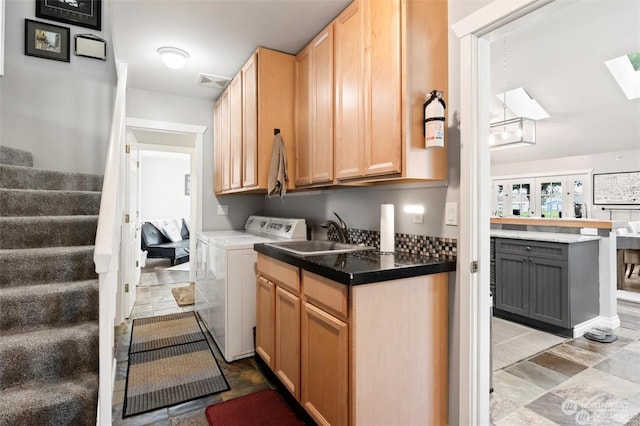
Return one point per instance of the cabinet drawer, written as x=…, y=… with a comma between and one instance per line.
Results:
x=540, y=249
x=326, y=294
x=281, y=273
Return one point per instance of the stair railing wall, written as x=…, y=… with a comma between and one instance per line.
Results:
x=107, y=249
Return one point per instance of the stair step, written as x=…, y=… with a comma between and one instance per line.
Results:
x=47, y=231
x=46, y=265
x=20, y=177
x=36, y=306
x=37, y=202
x=72, y=401
x=15, y=156
x=48, y=353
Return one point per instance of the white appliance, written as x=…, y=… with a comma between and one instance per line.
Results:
x=226, y=279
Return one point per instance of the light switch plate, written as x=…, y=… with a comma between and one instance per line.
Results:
x=451, y=214
x=223, y=209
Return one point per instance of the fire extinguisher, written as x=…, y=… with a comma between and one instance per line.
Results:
x=434, y=119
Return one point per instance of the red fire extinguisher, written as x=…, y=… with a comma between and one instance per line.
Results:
x=434, y=119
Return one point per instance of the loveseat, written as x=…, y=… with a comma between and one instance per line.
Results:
x=164, y=240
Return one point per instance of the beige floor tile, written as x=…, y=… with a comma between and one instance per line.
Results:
x=524, y=417
x=515, y=389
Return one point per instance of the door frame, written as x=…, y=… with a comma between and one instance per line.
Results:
x=475, y=165
x=189, y=139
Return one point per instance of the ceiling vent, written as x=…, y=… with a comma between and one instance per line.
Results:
x=213, y=81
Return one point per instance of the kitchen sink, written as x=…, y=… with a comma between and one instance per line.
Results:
x=316, y=247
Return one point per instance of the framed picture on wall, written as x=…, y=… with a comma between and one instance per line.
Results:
x=84, y=13
x=46, y=40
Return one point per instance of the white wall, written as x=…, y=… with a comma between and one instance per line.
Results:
x=162, y=187
x=164, y=107
x=610, y=162
x=60, y=111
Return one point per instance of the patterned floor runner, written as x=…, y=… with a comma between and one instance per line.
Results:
x=170, y=362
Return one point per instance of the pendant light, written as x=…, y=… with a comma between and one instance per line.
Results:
x=513, y=132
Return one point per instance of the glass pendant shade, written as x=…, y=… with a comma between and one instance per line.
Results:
x=519, y=131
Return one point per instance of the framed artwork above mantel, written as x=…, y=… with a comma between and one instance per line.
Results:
x=84, y=13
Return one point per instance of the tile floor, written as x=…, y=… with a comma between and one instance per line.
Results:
x=245, y=376
x=578, y=382
x=573, y=382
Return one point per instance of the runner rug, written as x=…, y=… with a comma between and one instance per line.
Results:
x=170, y=362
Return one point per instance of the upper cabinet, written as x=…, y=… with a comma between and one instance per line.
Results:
x=387, y=56
x=314, y=111
x=349, y=105
x=258, y=100
x=349, y=84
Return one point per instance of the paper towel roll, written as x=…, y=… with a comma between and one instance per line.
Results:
x=387, y=232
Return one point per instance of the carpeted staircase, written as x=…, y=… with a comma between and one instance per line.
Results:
x=48, y=294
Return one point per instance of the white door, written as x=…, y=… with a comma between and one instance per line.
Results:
x=131, y=228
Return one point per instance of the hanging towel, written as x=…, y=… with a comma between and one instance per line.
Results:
x=277, y=182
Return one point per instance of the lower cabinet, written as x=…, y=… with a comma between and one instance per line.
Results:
x=325, y=361
x=265, y=320
x=287, y=363
x=373, y=354
x=551, y=283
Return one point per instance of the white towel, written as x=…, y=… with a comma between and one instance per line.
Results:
x=277, y=182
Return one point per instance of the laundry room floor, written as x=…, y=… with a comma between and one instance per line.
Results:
x=244, y=376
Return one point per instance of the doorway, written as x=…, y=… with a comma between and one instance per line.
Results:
x=163, y=139
x=475, y=33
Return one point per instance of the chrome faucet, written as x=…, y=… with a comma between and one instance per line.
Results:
x=341, y=229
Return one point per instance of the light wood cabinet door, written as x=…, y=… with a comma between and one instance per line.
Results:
x=250, y=122
x=324, y=362
x=235, y=130
x=287, y=353
x=349, y=120
x=225, y=142
x=217, y=148
x=265, y=320
x=322, y=142
x=304, y=116
x=382, y=87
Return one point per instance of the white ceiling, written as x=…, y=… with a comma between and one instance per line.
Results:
x=219, y=36
x=558, y=58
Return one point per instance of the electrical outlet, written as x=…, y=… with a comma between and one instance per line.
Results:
x=418, y=218
x=223, y=209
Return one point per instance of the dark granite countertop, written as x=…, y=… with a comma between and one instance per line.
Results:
x=362, y=267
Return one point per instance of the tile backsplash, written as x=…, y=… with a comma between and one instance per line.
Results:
x=423, y=245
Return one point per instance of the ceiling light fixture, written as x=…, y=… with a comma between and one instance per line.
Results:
x=519, y=131
x=173, y=57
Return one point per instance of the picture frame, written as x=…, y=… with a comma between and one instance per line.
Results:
x=48, y=41
x=83, y=13
x=90, y=46
x=618, y=188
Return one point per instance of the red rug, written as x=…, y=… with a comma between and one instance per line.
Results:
x=263, y=408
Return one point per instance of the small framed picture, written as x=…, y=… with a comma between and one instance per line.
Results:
x=46, y=41
x=90, y=46
x=84, y=13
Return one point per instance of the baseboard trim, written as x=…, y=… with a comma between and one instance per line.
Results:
x=628, y=296
x=609, y=322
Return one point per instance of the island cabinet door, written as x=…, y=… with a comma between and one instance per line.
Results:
x=265, y=320
x=549, y=291
x=287, y=362
x=512, y=283
x=324, y=366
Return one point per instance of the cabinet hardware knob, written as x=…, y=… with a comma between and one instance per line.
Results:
x=528, y=248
